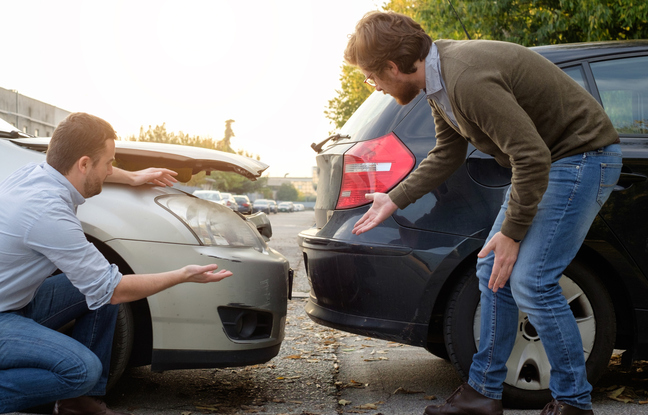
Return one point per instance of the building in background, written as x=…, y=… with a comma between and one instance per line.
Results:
x=28, y=114
x=304, y=185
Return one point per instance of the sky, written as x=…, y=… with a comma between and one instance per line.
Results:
x=270, y=65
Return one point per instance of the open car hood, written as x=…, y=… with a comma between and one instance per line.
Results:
x=186, y=160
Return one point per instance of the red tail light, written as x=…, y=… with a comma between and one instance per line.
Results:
x=373, y=166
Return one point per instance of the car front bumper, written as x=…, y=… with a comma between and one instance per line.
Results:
x=187, y=320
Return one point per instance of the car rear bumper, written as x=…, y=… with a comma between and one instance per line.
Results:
x=386, y=288
x=397, y=331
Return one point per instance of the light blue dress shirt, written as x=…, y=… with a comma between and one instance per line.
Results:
x=434, y=85
x=39, y=232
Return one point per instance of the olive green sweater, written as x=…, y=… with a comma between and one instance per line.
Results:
x=515, y=105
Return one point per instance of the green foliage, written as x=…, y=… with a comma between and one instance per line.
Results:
x=530, y=22
x=287, y=192
x=352, y=94
x=526, y=22
x=224, y=181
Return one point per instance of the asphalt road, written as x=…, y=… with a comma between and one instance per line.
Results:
x=325, y=371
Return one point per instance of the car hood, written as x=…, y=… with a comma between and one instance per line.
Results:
x=8, y=130
x=186, y=160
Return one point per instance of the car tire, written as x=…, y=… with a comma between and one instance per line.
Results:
x=594, y=311
x=122, y=344
x=439, y=350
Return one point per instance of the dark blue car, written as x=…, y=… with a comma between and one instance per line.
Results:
x=412, y=279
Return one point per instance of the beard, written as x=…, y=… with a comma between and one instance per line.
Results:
x=92, y=187
x=404, y=92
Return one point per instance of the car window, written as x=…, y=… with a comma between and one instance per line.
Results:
x=377, y=116
x=576, y=73
x=623, y=86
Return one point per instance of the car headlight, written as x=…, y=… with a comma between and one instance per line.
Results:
x=212, y=223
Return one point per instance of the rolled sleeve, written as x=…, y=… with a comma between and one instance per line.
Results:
x=63, y=242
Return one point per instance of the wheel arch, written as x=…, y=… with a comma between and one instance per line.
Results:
x=435, y=328
x=616, y=287
x=143, y=340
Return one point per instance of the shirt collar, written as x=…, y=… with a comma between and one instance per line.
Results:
x=432, y=71
x=77, y=198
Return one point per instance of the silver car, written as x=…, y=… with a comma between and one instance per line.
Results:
x=236, y=322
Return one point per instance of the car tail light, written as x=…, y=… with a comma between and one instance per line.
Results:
x=373, y=166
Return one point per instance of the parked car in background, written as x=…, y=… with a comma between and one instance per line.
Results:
x=264, y=205
x=230, y=202
x=286, y=207
x=244, y=204
x=149, y=229
x=412, y=278
x=299, y=207
x=211, y=195
x=273, y=206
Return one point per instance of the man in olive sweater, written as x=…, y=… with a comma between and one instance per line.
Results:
x=515, y=105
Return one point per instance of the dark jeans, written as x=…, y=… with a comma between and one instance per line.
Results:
x=40, y=365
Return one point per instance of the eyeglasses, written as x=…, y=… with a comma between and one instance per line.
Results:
x=370, y=81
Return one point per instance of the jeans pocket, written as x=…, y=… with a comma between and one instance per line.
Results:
x=610, y=173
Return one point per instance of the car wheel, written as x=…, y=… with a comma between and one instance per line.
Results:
x=439, y=350
x=527, y=382
x=122, y=344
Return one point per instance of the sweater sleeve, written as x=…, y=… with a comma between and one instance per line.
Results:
x=486, y=99
x=448, y=155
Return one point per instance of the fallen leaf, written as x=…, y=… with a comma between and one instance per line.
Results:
x=367, y=406
x=405, y=391
x=615, y=393
x=208, y=408
x=294, y=356
x=343, y=402
x=430, y=398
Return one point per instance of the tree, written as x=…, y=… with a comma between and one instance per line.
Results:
x=287, y=192
x=530, y=22
x=526, y=22
x=225, y=143
x=352, y=94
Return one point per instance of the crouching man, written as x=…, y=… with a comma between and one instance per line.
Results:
x=40, y=233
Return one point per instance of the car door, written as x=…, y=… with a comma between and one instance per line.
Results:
x=621, y=85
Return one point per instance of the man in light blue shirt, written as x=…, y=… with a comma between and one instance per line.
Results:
x=40, y=233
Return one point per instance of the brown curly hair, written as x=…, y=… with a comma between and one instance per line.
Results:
x=387, y=36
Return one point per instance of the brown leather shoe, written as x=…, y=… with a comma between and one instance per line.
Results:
x=561, y=408
x=467, y=401
x=83, y=405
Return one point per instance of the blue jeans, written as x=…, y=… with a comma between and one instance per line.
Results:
x=38, y=364
x=578, y=187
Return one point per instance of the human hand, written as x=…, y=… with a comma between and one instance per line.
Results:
x=381, y=209
x=157, y=176
x=205, y=273
x=506, y=251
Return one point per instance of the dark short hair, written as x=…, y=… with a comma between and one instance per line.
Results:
x=387, y=36
x=78, y=135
